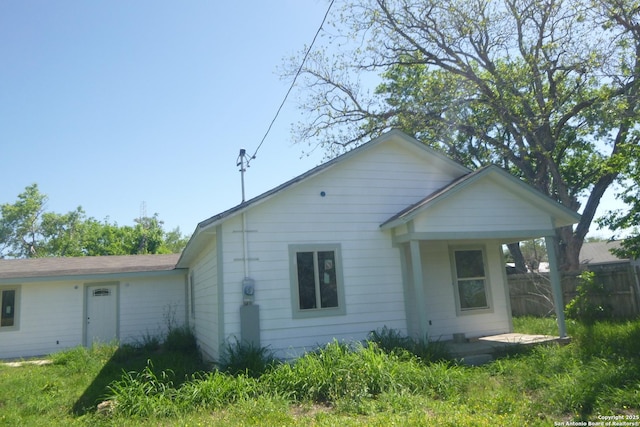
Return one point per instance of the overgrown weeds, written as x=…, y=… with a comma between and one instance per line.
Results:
x=246, y=358
x=346, y=384
x=392, y=340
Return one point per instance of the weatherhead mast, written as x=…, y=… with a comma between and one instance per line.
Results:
x=243, y=162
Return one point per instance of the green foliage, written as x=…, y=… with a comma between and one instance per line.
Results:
x=181, y=339
x=588, y=305
x=629, y=193
x=19, y=230
x=392, y=340
x=246, y=358
x=524, y=85
x=143, y=394
x=27, y=230
x=356, y=372
x=339, y=384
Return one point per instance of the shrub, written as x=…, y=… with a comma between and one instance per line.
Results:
x=586, y=306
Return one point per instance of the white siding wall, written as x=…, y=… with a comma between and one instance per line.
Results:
x=439, y=292
x=149, y=306
x=51, y=319
x=483, y=206
x=361, y=193
x=52, y=314
x=205, y=322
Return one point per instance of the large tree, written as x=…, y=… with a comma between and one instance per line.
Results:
x=547, y=89
x=28, y=230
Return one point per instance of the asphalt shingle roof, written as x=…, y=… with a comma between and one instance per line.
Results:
x=76, y=266
x=599, y=252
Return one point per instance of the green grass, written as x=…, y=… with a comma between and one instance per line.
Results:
x=376, y=383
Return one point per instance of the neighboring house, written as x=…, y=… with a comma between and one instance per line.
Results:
x=49, y=304
x=599, y=253
x=390, y=234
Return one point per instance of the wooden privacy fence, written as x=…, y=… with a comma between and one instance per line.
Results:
x=531, y=293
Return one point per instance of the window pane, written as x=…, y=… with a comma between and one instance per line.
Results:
x=306, y=282
x=327, y=279
x=469, y=264
x=472, y=294
x=8, y=308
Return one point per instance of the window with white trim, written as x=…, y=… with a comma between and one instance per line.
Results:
x=471, y=281
x=316, y=278
x=9, y=300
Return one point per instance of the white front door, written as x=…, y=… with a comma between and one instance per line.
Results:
x=102, y=308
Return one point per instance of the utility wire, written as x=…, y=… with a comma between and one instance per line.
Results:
x=293, y=82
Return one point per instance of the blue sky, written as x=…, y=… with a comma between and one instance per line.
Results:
x=111, y=104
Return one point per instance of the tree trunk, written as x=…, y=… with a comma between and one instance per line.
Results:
x=518, y=258
x=569, y=246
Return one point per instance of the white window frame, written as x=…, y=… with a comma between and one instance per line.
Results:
x=298, y=312
x=456, y=281
x=16, y=308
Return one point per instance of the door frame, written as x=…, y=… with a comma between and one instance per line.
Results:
x=85, y=309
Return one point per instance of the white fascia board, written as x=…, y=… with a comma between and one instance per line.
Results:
x=556, y=210
x=93, y=277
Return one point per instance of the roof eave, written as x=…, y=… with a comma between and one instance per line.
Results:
x=90, y=276
x=561, y=215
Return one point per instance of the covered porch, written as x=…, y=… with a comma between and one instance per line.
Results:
x=450, y=247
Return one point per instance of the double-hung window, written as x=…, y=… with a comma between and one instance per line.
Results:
x=316, y=278
x=9, y=306
x=471, y=281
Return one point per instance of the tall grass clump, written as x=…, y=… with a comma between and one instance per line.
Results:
x=246, y=358
x=536, y=325
x=611, y=339
x=355, y=372
x=181, y=339
x=144, y=394
x=392, y=340
x=215, y=390
x=333, y=372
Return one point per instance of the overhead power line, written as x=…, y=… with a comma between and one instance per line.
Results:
x=293, y=82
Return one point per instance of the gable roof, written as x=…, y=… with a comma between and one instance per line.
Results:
x=82, y=266
x=600, y=253
x=194, y=245
x=563, y=215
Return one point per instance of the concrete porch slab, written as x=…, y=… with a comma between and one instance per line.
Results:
x=490, y=344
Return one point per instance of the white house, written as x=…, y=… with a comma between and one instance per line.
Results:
x=390, y=234
x=49, y=304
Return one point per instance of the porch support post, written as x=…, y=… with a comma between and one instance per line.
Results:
x=418, y=287
x=556, y=285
